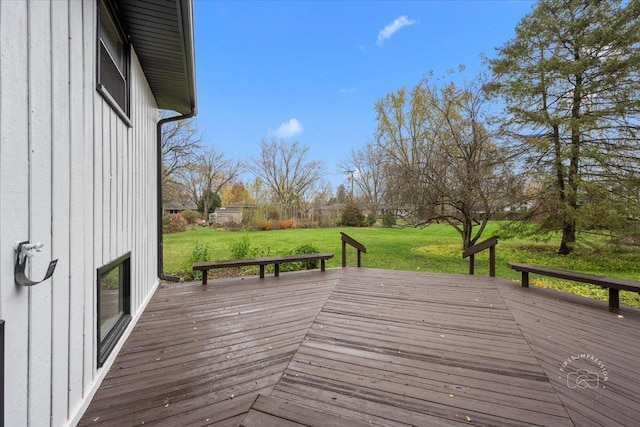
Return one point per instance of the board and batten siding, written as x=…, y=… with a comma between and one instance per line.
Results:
x=75, y=177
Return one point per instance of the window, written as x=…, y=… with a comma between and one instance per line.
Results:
x=113, y=61
x=114, y=312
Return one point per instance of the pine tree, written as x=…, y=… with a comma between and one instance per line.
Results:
x=571, y=85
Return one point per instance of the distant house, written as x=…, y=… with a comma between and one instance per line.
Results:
x=82, y=84
x=233, y=213
x=176, y=208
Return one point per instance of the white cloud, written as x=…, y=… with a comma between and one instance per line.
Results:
x=392, y=28
x=288, y=129
x=348, y=90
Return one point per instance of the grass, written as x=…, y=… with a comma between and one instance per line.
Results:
x=436, y=248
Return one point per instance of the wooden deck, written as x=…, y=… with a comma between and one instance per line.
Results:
x=372, y=347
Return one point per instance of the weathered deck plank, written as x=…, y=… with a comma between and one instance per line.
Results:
x=560, y=327
x=369, y=346
x=201, y=355
x=430, y=318
x=271, y=411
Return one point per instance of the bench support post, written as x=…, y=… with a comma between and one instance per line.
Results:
x=471, y=264
x=321, y=265
x=492, y=261
x=614, y=299
x=344, y=254
x=262, y=271
x=276, y=269
x=359, y=258
x=204, y=277
x=525, y=279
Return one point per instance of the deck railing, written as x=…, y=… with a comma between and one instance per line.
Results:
x=490, y=244
x=346, y=239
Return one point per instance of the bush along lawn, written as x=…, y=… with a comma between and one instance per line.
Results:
x=436, y=249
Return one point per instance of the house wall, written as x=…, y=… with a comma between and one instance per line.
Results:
x=75, y=177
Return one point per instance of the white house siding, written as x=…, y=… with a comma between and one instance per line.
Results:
x=75, y=177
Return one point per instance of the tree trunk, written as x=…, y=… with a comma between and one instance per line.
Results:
x=467, y=228
x=571, y=193
x=568, y=237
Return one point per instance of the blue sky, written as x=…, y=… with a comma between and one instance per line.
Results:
x=312, y=71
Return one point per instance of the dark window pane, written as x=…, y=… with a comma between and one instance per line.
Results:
x=113, y=61
x=112, y=80
x=113, y=310
x=111, y=38
x=111, y=307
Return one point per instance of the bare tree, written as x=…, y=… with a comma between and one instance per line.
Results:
x=312, y=196
x=285, y=169
x=366, y=167
x=181, y=142
x=259, y=193
x=206, y=176
x=442, y=163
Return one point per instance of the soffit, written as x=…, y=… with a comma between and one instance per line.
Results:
x=161, y=32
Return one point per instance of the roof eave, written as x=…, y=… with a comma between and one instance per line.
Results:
x=167, y=56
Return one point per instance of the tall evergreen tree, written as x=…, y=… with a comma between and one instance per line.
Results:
x=571, y=86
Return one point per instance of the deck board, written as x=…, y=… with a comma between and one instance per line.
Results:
x=428, y=331
x=558, y=326
x=369, y=346
x=202, y=352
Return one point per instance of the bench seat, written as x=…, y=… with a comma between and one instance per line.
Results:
x=613, y=284
x=205, y=266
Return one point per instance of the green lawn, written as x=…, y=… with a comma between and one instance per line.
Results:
x=436, y=248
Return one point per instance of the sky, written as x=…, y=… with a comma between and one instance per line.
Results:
x=311, y=71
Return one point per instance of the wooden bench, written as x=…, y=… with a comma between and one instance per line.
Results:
x=613, y=284
x=261, y=262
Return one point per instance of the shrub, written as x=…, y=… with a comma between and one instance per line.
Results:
x=285, y=223
x=174, y=223
x=388, y=219
x=199, y=253
x=370, y=220
x=234, y=226
x=352, y=216
x=191, y=216
x=264, y=225
x=328, y=222
x=307, y=248
x=241, y=248
x=306, y=223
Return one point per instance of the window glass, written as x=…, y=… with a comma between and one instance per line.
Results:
x=113, y=311
x=113, y=62
x=111, y=304
x=110, y=37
